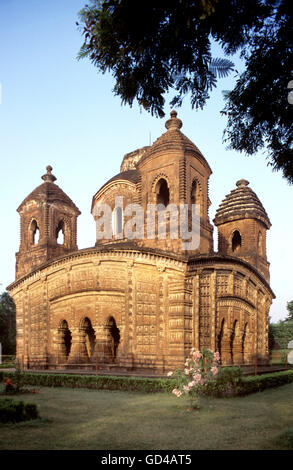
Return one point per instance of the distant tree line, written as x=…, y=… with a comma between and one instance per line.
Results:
x=7, y=324
x=282, y=332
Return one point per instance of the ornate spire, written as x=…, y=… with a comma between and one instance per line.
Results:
x=242, y=183
x=241, y=203
x=48, y=177
x=173, y=123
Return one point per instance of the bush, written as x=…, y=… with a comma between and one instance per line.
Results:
x=94, y=382
x=15, y=411
x=259, y=383
x=229, y=382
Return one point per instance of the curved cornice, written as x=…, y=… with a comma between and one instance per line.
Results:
x=130, y=250
x=208, y=260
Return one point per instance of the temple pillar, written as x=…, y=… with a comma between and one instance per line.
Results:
x=78, y=353
x=104, y=347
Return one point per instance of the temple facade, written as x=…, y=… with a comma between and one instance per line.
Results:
x=140, y=298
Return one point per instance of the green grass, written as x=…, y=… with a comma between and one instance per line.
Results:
x=92, y=419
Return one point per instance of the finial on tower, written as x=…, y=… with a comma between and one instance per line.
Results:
x=173, y=123
x=242, y=183
x=48, y=176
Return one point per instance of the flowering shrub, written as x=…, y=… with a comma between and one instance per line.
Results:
x=16, y=386
x=201, y=367
x=9, y=387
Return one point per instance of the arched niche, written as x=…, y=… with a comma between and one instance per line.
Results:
x=34, y=232
x=162, y=192
x=117, y=221
x=236, y=241
x=60, y=232
x=89, y=336
x=64, y=341
x=114, y=334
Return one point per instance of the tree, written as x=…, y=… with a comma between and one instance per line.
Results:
x=7, y=324
x=280, y=334
x=154, y=46
x=290, y=311
x=258, y=110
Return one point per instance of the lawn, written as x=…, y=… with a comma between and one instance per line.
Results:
x=109, y=420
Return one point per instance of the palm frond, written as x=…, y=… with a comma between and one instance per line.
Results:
x=221, y=67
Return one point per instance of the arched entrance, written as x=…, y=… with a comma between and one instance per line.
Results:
x=83, y=343
x=90, y=337
x=236, y=344
x=64, y=341
x=114, y=334
x=224, y=346
x=220, y=338
x=108, y=340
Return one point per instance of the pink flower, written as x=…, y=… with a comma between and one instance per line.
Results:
x=191, y=384
x=197, y=378
x=186, y=371
x=177, y=392
x=214, y=370
x=186, y=388
x=197, y=355
x=216, y=356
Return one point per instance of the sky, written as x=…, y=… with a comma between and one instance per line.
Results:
x=59, y=111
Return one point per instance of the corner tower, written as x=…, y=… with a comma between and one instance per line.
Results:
x=242, y=225
x=48, y=221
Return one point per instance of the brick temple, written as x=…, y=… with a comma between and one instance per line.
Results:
x=142, y=303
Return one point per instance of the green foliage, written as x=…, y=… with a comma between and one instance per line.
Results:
x=201, y=368
x=258, y=111
x=15, y=386
x=152, y=47
x=7, y=324
x=229, y=378
x=281, y=333
x=15, y=411
x=229, y=382
x=290, y=311
x=93, y=382
x=259, y=383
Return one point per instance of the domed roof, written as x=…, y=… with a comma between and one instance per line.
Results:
x=49, y=192
x=241, y=203
x=129, y=175
x=173, y=139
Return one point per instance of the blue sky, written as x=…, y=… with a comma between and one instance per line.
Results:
x=57, y=110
